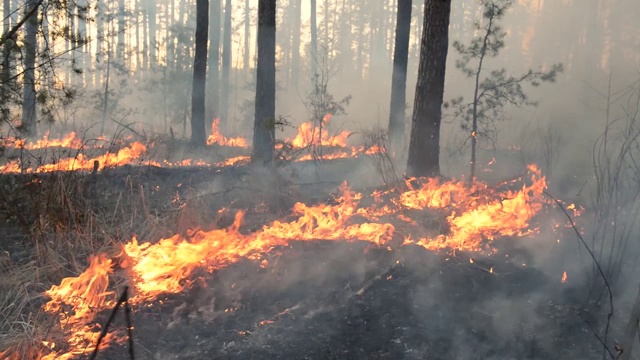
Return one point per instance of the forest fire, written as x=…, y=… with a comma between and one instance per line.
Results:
x=217, y=138
x=311, y=135
x=124, y=156
x=475, y=217
x=70, y=141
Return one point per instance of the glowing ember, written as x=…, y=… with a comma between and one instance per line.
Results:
x=219, y=139
x=476, y=216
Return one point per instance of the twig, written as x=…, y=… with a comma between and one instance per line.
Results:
x=122, y=300
x=597, y=264
x=630, y=332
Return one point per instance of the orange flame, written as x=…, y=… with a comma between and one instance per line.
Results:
x=124, y=156
x=308, y=135
x=564, y=277
x=217, y=138
x=477, y=216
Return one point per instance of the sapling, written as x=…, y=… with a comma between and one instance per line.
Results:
x=493, y=90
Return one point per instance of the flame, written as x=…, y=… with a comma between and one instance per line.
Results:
x=217, y=138
x=308, y=135
x=564, y=277
x=477, y=215
x=69, y=141
x=86, y=294
x=124, y=156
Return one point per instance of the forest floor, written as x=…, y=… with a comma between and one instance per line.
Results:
x=308, y=300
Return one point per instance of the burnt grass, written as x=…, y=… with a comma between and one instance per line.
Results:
x=333, y=299
x=339, y=300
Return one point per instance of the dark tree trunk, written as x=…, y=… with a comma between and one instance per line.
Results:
x=399, y=77
x=314, y=40
x=29, y=86
x=264, y=131
x=213, y=81
x=424, y=147
x=226, y=63
x=198, y=131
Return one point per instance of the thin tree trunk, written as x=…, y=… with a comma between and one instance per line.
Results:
x=105, y=102
x=213, y=82
x=314, y=39
x=121, y=32
x=170, y=36
x=29, y=85
x=264, y=126
x=83, y=10
x=399, y=76
x=247, y=36
x=152, y=9
x=474, y=122
x=295, y=46
x=424, y=147
x=198, y=131
x=99, y=38
x=6, y=56
x=226, y=63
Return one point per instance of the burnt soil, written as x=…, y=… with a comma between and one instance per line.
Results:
x=335, y=300
x=339, y=300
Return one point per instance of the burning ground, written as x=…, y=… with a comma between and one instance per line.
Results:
x=430, y=268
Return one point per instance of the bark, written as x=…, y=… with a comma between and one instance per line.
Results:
x=213, y=82
x=314, y=39
x=198, y=131
x=226, y=62
x=29, y=86
x=424, y=147
x=264, y=125
x=399, y=76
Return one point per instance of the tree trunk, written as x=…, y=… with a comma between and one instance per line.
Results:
x=198, y=131
x=226, y=63
x=29, y=86
x=170, y=36
x=152, y=13
x=295, y=46
x=121, y=31
x=314, y=40
x=83, y=9
x=213, y=80
x=264, y=127
x=399, y=76
x=6, y=57
x=247, y=36
x=424, y=147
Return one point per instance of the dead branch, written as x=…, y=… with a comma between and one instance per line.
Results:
x=630, y=331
